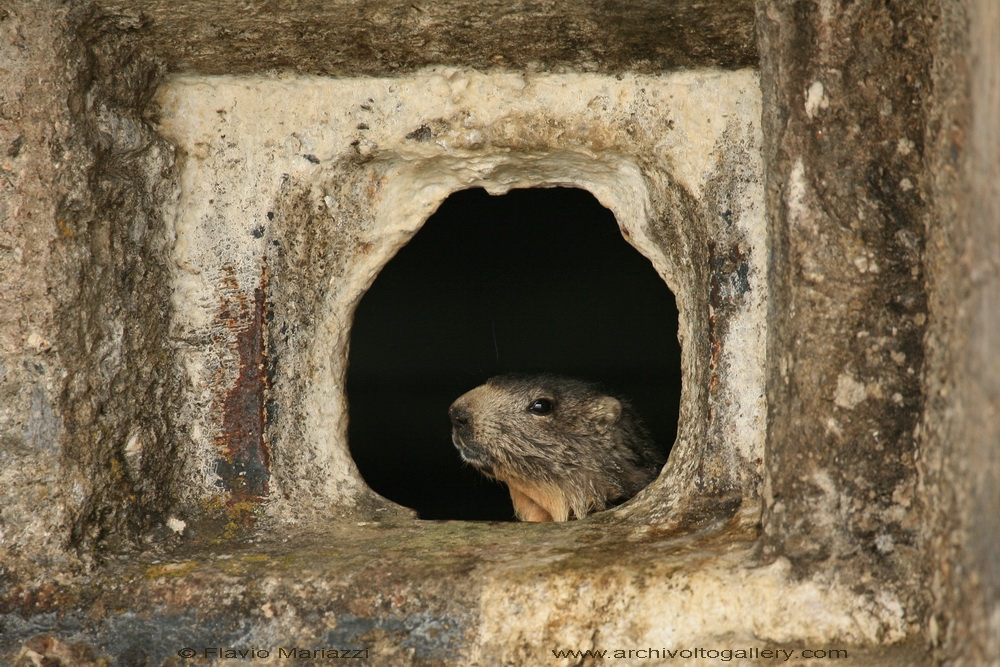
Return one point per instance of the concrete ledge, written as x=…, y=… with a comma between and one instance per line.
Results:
x=457, y=592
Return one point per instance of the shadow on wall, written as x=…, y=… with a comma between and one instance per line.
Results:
x=537, y=280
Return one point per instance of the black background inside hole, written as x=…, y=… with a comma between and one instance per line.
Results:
x=537, y=280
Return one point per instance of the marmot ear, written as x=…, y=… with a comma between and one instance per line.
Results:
x=607, y=412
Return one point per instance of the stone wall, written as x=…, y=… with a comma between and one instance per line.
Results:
x=179, y=270
x=849, y=205
x=87, y=363
x=960, y=428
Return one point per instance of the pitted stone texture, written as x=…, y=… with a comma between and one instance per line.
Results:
x=460, y=593
x=397, y=37
x=848, y=202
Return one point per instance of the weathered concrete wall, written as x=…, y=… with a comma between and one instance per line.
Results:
x=36, y=509
x=86, y=366
x=878, y=473
x=960, y=462
x=847, y=91
x=345, y=38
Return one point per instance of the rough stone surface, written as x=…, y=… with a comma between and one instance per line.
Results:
x=343, y=38
x=959, y=466
x=395, y=592
x=848, y=209
x=126, y=535
x=84, y=254
x=35, y=509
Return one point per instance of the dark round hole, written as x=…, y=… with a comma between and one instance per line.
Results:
x=537, y=280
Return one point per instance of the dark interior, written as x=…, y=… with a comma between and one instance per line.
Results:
x=537, y=280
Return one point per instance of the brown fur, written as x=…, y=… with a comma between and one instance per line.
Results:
x=585, y=452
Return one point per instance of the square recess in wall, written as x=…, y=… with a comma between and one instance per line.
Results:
x=296, y=192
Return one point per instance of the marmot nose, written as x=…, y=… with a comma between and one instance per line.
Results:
x=459, y=415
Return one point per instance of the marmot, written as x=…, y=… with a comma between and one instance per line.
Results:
x=564, y=447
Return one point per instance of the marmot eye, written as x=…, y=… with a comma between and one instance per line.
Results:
x=541, y=406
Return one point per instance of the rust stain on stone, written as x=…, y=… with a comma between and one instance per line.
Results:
x=244, y=465
x=730, y=275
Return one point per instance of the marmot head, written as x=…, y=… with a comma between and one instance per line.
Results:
x=557, y=437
